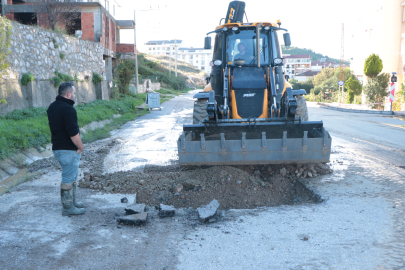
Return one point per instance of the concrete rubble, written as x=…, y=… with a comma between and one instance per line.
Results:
x=135, y=209
x=205, y=213
x=134, y=220
x=166, y=211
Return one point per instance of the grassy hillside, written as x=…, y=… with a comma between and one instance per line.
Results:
x=183, y=68
x=314, y=56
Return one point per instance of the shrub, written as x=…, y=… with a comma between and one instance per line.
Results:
x=59, y=78
x=56, y=46
x=27, y=78
x=373, y=66
x=97, y=78
x=62, y=56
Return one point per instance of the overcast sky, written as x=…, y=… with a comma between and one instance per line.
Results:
x=313, y=24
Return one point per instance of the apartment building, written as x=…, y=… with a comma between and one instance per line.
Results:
x=380, y=29
x=294, y=64
x=198, y=57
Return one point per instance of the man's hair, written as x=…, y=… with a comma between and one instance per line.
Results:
x=65, y=88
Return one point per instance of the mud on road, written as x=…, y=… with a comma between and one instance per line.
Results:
x=235, y=187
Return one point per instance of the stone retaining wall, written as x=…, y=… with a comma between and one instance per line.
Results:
x=39, y=52
x=41, y=93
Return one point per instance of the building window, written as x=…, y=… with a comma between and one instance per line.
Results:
x=202, y=68
x=196, y=61
x=196, y=56
x=292, y=72
x=154, y=48
x=191, y=56
x=203, y=62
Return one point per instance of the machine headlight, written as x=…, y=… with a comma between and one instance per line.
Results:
x=278, y=61
x=225, y=28
x=235, y=28
x=267, y=27
x=217, y=62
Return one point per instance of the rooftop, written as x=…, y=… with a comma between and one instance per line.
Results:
x=162, y=42
x=308, y=73
x=298, y=56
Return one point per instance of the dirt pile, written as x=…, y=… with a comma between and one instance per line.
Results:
x=235, y=187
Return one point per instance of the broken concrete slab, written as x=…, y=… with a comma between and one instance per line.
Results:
x=166, y=211
x=134, y=220
x=135, y=209
x=124, y=200
x=205, y=213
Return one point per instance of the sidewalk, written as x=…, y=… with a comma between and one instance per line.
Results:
x=357, y=108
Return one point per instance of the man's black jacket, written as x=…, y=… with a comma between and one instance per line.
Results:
x=63, y=123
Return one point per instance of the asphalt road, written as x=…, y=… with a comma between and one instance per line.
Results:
x=360, y=224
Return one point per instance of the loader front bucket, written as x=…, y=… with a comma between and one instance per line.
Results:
x=261, y=143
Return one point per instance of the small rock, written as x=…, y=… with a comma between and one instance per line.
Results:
x=124, y=200
x=178, y=188
x=257, y=172
x=134, y=220
x=96, y=179
x=119, y=226
x=166, y=210
x=141, y=182
x=84, y=184
x=136, y=209
x=309, y=174
x=188, y=185
x=205, y=213
x=305, y=174
x=283, y=172
x=305, y=239
x=108, y=189
x=238, y=181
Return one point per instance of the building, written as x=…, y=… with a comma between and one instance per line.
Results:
x=198, y=57
x=294, y=64
x=306, y=75
x=159, y=47
x=380, y=29
x=94, y=22
x=323, y=63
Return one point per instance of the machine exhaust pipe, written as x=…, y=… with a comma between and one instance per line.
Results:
x=258, y=43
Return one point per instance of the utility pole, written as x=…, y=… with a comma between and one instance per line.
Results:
x=175, y=63
x=341, y=71
x=136, y=57
x=170, y=60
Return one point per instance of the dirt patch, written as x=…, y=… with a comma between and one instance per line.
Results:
x=235, y=187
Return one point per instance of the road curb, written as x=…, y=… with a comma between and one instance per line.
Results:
x=358, y=111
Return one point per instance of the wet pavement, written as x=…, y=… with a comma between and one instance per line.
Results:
x=359, y=225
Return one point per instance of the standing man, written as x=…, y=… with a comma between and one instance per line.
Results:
x=67, y=146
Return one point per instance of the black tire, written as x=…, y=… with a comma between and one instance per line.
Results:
x=302, y=109
x=200, y=112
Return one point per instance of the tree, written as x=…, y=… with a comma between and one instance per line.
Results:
x=5, y=43
x=125, y=73
x=376, y=90
x=307, y=85
x=354, y=88
x=59, y=12
x=373, y=66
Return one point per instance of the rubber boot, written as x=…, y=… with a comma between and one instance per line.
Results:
x=75, y=203
x=66, y=194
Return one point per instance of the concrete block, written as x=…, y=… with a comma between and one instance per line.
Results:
x=166, y=211
x=9, y=166
x=134, y=220
x=208, y=211
x=136, y=209
x=3, y=175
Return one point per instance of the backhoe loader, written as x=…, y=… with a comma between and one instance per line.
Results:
x=249, y=113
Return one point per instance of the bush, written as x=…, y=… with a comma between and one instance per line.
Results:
x=27, y=78
x=59, y=78
x=97, y=78
x=373, y=66
x=62, y=56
